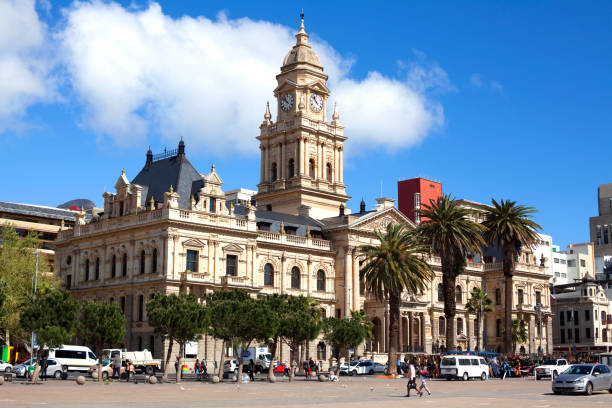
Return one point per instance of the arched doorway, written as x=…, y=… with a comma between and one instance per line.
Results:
x=404, y=333
x=376, y=336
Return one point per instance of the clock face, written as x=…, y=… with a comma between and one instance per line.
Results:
x=286, y=102
x=316, y=102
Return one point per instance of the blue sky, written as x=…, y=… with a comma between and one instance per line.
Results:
x=493, y=99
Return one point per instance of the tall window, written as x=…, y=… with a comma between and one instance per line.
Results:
x=274, y=171
x=154, y=261
x=599, y=235
x=605, y=234
x=122, y=304
x=321, y=355
x=68, y=281
x=440, y=293
x=441, y=326
x=575, y=317
x=520, y=296
x=604, y=335
x=459, y=326
x=140, y=308
x=603, y=317
x=114, y=267
x=562, y=336
x=458, y=294
x=295, y=278
x=230, y=265
x=498, y=328
x=587, y=315
x=311, y=168
x=87, y=269
x=97, y=276
x=498, y=296
x=121, y=208
x=329, y=172
x=192, y=260
x=538, y=298
x=561, y=319
x=212, y=205
x=577, y=334
x=142, y=262
x=321, y=281
x=124, y=265
x=291, y=168
x=268, y=275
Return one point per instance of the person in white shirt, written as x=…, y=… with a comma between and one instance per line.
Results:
x=412, y=379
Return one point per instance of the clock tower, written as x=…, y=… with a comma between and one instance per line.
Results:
x=301, y=153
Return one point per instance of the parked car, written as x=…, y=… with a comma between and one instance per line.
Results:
x=74, y=358
x=464, y=367
x=54, y=369
x=281, y=368
x=230, y=366
x=584, y=378
x=21, y=370
x=5, y=367
x=365, y=367
x=551, y=368
x=346, y=368
x=107, y=369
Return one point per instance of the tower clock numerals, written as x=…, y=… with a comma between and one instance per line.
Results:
x=286, y=102
x=316, y=102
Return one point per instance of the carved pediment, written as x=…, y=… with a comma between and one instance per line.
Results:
x=379, y=222
x=194, y=243
x=233, y=248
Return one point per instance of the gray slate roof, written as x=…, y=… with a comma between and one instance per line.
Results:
x=38, y=211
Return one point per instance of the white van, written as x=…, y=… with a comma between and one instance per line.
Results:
x=74, y=358
x=464, y=367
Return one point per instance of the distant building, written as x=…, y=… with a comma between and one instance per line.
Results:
x=600, y=231
x=412, y=194
x=240, y=196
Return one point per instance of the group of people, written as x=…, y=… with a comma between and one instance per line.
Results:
x=310, y=367
x=129, y=368
x=411, y=370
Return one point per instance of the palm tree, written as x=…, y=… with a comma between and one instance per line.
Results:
x=479, y=303
x=518, y=333
x=510, y=227
x=451, y=234
x=396, y=264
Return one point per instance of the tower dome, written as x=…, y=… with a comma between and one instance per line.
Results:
x=302, y=53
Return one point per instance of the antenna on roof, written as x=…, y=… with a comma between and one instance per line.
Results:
x=302, y=14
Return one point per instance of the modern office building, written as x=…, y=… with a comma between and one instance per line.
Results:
x=600, y=229
x=412, y=194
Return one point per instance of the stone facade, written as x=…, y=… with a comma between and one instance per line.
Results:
x=297, y=238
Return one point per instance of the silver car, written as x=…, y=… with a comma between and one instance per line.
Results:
x=584, y=378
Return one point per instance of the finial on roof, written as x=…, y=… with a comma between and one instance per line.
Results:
x=212, y=168
x=267, y=115
x=123, y=172
x=171, y=190
x=302, y=37
x=335, y=115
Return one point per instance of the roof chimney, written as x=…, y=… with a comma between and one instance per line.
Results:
x=362, y=207
x=341, y=210
x=181, y=148
x=149, y=157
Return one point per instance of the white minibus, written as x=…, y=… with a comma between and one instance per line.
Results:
x=74, y=358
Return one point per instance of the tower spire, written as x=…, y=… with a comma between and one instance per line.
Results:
x=267, y=115
x=302, y=37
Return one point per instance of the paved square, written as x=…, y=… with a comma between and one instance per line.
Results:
x=349, y=392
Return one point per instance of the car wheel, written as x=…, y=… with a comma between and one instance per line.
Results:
x=588, y=389
x=149, y=370
x=537, y=378
x=353, y=373
x=8, y=369
x=610, y=389
x=557, y=392
x=554, y=375
x=483, y=376
x=104, y=375
x=448, y=378
x=57, y=374
x=371, y=372
x=466, y=377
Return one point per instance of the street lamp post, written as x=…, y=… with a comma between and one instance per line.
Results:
x=538, y=309
x=35, y=286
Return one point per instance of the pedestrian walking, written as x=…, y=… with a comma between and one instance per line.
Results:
x=305, y=366
x=311, y=366
x=506, y=367
x=116, y=367
x=128, y=369
x=44, y=363
x=423, y=381
x=176, y=368
x=196, y=367
x=251, y=370
x=412, y=379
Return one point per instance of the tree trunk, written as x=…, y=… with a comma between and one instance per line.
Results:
x=37, y=366
x=450, y=307
x=7, y=337
x=220, y=368
x=394, y=315
x=100, y=367
x=273, y=348
x=180, y=361
x=293, y=368
x=167, y=363
x=508, y=267
x=302, y=357
x=240, y=357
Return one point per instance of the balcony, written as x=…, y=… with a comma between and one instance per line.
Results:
x=294, y=240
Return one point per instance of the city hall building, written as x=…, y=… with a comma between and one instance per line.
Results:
x=172, y=229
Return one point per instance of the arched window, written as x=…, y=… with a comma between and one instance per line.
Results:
x=114, y=266
x=268, y=275
x=498, y=296
x=311, y=168
x=142, y=262
x=274, y=171
x=441, y=326
x=291, y=171
x=154, y=261
x=458, y=294
x=124, y=265
x=321, y=280
x=321, y=355
x=603, y=317
x=87, y=269
x=440, y=293
x=97, y=276
x=295, y=278
x=459, y=326
x=329, y=172
x=604, y=335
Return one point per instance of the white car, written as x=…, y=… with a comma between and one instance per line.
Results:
x=21, y=369
x=464, y=367
x=5, y=367
x=366, y=367
x=346, y=368
x=230, y=366
x=551, y=368
x=54, y=369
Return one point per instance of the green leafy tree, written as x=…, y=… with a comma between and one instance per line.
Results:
x=278, y=304
x=510, y=227
x=396, y=264
x=52, y=315
x=101, y=324
x=519, y=333
x=300, y=323
x=479, y=304
x=345, y=334
x=17, y=270
x=241, y=320
x=452, y=234
x=178, y=319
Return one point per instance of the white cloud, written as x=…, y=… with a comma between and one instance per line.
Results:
x=139, y=72
x=24, y=64
x=479, y=82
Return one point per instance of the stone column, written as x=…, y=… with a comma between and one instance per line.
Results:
x=300, y=156
x=279, y=164
x=410, y=332
x=356, y=281
x=262, y=164
x=268, y=169
x=549, y=339
x=282, y=274
x=348, y=279
x=469, y=327
x=533, y=334
x=335, y=168
x=215, y=261
x=284, y=160
x=318, y=161
x=323, y=162
x=386, y=333
x=309, y=275
x=341, y=165
x=435, y=328
x=422, y=316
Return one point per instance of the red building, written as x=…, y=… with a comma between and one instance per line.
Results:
x=413, y=193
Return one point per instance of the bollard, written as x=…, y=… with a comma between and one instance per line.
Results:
x=214, y=379
x=152, y=379
x=80, y=380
